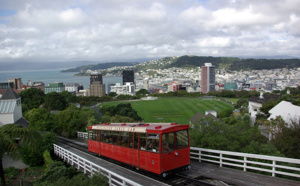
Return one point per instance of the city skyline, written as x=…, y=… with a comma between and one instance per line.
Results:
x=106, y=31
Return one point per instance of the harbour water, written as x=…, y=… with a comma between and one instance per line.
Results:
x=51, y=76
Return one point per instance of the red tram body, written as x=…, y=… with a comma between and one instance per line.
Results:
x=156, y=147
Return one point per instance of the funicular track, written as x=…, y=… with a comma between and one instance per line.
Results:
x=175, y=179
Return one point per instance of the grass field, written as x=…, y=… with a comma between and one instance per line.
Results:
x=174, y=110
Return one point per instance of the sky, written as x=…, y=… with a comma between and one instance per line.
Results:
x=132, y=30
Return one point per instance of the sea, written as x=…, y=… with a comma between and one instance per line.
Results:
x=54, y=75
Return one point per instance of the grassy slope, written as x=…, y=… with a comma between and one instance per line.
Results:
x=174, y=110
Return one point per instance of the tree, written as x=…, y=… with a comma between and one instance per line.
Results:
x=32, y=98
x=112, y=94
x=32, y=154
x=8, y=144
x=142, y=92
x=55, y=101
x=241, y=103
x=74, y=119
x=41, y=119
x=286, y=138
x=69, y=98
x=268, y=106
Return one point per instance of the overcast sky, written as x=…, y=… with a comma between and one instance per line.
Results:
x=129, y=30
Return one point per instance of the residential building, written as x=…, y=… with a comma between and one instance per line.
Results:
x=289, y=113
x=11, y=109
x=128, y=76
x=97, y=88
x=255, y=103
x=55, y=87
x=208, y=78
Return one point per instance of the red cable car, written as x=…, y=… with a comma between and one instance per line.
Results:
x=160, y=148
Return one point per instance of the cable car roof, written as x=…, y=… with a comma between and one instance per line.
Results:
x=138, y=127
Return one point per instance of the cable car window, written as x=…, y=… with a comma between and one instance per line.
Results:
x=182, y=140
x=116, y=138
x=153, y=143
x=136, y=140
x=143, y=141
x=94, y=135
x=103, y=136
x=167, y=142
x=124, y=139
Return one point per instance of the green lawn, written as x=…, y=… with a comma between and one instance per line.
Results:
x=174, y=110
x=233, y=100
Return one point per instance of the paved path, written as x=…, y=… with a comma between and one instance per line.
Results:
x=9, y=162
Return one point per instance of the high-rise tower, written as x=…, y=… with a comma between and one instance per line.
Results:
x=208, y=78
x=97, y=88
x=128, y=76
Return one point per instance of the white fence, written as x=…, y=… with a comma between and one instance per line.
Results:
x=83, y=135
x=264, y=164
x=90, y=168
x=267, y=164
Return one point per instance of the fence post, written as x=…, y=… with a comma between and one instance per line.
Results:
x=221, y=159
x=274, y=168
x=199, y=155
x=245, y=163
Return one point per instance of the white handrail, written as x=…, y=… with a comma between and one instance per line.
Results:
x=270, y=164
x=91, y=168
x=83, y=135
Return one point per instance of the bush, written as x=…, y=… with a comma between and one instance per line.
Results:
x=59, y=174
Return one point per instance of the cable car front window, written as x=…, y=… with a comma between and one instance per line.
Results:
x=167, y=142
x=182, y=140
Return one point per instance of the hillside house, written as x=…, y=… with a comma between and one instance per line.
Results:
x=11, y=109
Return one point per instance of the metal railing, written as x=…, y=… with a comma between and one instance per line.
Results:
x=91, y=168
x=265, y=164
x=83, y=135
x=271, y=165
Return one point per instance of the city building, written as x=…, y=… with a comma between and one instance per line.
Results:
x=72, y=87
x=17, y=83
x=4, y=85
x=97, y=88
x=39, y=85
x=128, y=76
x=55, y=87
x=230, y=86
x=127, y=89
x=11, y=109
x=208, y=78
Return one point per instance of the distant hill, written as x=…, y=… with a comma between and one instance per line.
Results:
x=100, y=66
x=232, y=63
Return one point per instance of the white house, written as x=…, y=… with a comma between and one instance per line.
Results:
x=11, y=108
x=288, y=112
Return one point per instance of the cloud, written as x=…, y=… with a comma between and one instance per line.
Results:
x=115, y=30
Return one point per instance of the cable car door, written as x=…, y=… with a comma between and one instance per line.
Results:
x=168, y=156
